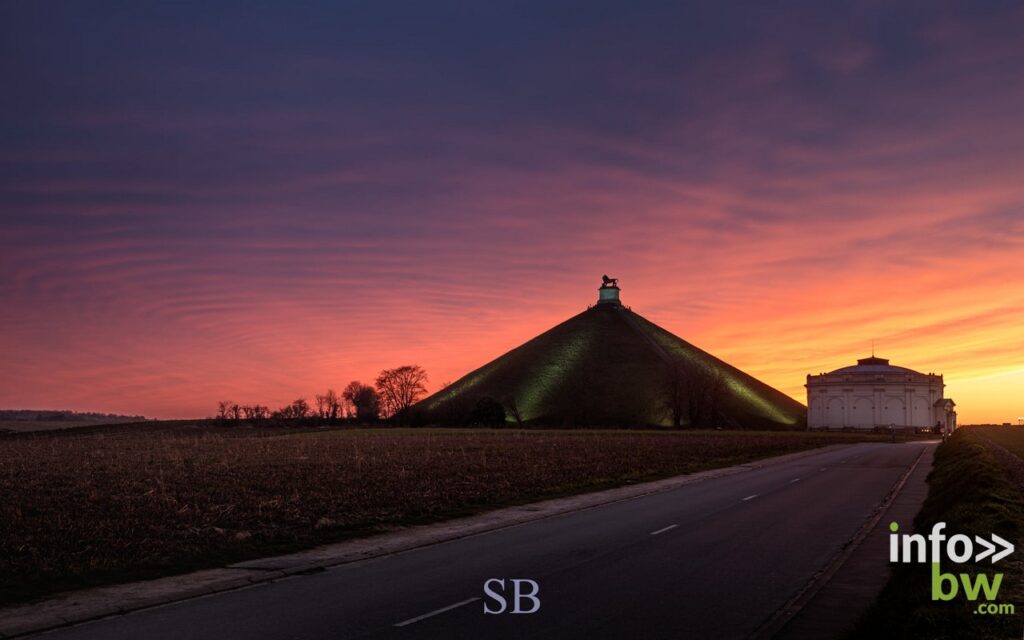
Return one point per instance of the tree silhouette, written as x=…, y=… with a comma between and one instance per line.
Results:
x=693, y=394
x=362, y=400
x=512, y=408
x=295, y=411
x=224, y=409
x=488, y=412
x=328, y=405
x=255, y=412
x=399, y=389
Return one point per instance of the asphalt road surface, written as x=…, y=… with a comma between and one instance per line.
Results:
x=715, y=559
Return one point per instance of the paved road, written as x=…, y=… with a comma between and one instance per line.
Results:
x=715, y=559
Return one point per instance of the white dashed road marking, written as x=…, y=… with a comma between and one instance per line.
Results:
x=436, y=612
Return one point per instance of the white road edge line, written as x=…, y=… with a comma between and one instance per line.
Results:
x=437, y=611
x=750, y=497
x=794, y=480
x=668, y=528
x=823, y=469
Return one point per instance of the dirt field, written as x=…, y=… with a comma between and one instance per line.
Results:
x=25, y=426
x=41, y=425
x=115, y=505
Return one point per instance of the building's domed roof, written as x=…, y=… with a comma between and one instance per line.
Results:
x=873, y=365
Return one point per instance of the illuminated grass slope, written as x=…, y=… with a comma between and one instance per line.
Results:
x=604, y=367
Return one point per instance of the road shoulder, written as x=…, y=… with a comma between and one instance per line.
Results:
x=833, y=611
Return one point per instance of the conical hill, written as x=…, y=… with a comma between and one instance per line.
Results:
x=609, y=366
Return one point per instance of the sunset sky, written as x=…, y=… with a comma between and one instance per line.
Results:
x=258, y=201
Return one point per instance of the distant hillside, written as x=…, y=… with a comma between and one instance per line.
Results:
x=45, y=419
x=57, y=415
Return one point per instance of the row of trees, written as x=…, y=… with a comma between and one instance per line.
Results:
x=394, y=392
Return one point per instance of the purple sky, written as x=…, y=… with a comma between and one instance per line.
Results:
x=257, y=201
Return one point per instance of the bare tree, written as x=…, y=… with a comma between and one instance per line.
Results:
x=488, y=412
x=300, y=408
x=224, y=409
x=513, y=410
x=399, y=389
x=693, y=394
x=333, y=404
x=255, y=412
x=674, y=398
x=327, y=405
x=294, y=411
x=362, y=401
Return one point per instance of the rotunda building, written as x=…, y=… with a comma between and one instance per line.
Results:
x=875, y=394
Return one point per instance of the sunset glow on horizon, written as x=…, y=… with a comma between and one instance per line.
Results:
x=257, y=204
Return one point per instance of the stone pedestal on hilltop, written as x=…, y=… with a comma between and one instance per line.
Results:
x=609, y=295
